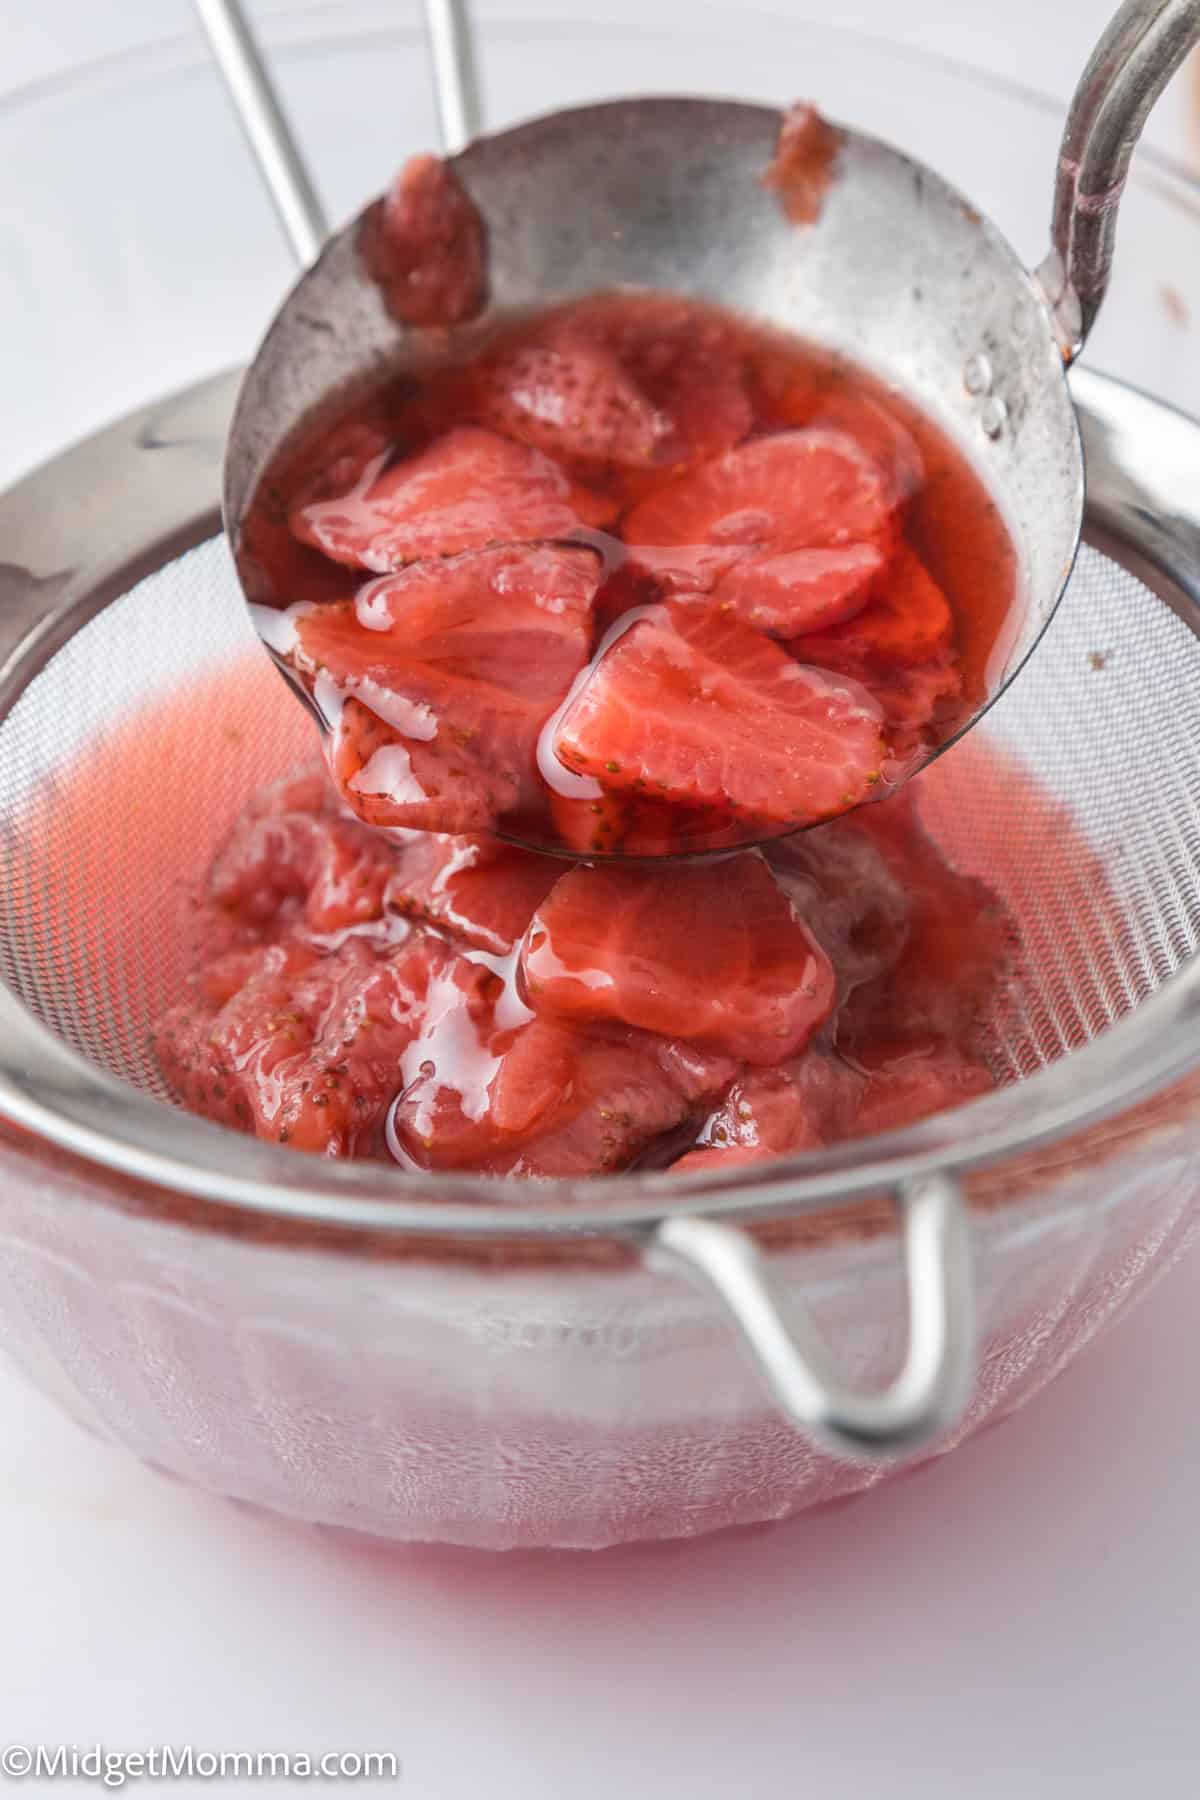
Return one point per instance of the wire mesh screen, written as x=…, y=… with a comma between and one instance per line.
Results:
x=125, y=762
x=121, y=768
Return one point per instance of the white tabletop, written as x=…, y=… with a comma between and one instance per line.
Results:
x=1022, y=1618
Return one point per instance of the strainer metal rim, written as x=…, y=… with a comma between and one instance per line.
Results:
x=68, y=543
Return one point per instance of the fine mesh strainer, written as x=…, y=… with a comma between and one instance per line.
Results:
x=136, y=715
x=129, y=665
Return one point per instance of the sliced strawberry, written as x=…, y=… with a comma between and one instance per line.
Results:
x=913, y=1080
x=571, y=400
x=336, y=867
x=438, y=680
x=773, y=1112
x=534, y=1077
x=425, y=243
x=907, y=623
x=718, y=959
x=689, y=366
x=851, y=409
x=682, y=356
x=795, y=490
x=565, y=1104
x=801, y=590
x=594, y=827
x=694, y=706
x=474, y=767
x=481, y=892
x=518, y=616
x=468, y=490
x=306, y=1051
x=656, y=828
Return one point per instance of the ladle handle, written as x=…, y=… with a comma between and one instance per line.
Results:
x=1144, y=45
x=265, y=124
x=455, y=75
x=260, y=112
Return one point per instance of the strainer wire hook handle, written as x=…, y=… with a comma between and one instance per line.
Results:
x=928, y=1395
x=270, y=136
x=1143, y=46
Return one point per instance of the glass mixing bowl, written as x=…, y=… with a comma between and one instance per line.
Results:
x=354, y=1351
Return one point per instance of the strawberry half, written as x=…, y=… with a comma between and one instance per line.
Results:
x=717, y=958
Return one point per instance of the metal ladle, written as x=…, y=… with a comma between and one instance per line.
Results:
x=900, y=273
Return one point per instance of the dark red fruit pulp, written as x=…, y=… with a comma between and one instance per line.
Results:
x=747, y=486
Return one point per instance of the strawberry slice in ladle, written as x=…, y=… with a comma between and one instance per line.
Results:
x=693, y=707
x=790, y=531
x=467, y=490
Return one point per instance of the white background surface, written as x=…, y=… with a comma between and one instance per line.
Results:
x=1021, y=1619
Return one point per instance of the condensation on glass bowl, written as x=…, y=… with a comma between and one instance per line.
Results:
x=177, y=273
